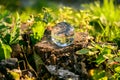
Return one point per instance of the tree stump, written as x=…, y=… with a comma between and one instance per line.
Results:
x=49, y=52
x=65, y=57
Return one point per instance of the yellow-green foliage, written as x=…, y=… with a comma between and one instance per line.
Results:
x=38, y=30
x=5, y=51
x=77, y=18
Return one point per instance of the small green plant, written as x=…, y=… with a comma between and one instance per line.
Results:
x=38, y=29
x=39, y=25
x=5, y=51
x=9, y=33
x=105, y=57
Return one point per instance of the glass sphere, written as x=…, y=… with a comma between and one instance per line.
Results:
x=62, y=34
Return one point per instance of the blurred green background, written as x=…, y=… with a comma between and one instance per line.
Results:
x=38, y=4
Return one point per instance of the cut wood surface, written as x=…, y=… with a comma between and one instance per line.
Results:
x=47, y=46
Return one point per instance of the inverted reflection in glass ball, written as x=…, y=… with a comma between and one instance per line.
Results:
x=62, y=34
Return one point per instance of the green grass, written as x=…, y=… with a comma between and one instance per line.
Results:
x=106, y=23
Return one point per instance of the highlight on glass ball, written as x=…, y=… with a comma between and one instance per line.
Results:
x=62, y=34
